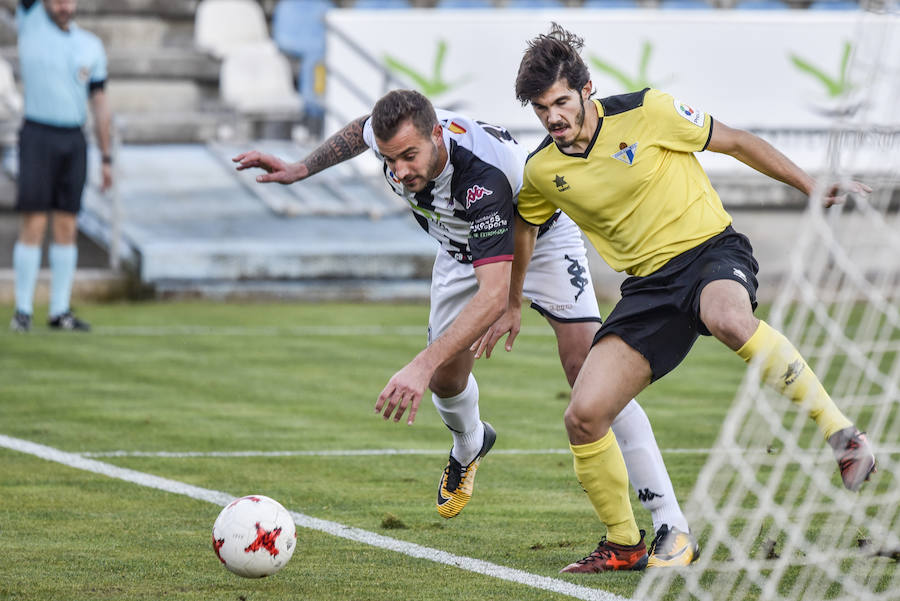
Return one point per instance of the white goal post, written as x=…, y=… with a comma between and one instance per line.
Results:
x=773, y=519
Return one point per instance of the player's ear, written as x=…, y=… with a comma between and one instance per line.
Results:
x=587, y=89
x=437, y=133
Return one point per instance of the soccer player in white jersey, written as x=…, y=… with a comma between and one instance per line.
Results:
x=461, y=178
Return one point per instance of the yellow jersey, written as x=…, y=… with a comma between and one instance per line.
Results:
x=637, y=192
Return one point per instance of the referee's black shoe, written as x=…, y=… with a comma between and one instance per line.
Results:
x=67, y=321
x=20, y=322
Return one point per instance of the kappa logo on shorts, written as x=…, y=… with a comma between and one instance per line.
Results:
x=577, y=272
x=739, y=274
x=475, y=193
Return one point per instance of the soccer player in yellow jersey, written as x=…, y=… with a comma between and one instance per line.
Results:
x=623, y=169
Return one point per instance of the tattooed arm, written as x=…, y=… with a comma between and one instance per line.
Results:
x=344, y=145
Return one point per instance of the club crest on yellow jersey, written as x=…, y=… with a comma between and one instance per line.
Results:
x=626, y=153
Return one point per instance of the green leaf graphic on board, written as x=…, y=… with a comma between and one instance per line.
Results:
x=834, y=86
x=430, y=85
x=629, y=83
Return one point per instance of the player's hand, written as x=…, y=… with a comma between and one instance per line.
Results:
x=405, y=389
x=276, y=170
x=510, y=321
x=837, y=194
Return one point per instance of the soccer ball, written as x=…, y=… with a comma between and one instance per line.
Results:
x=254, y=536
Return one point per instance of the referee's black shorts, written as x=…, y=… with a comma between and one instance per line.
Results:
x=659, y=314
x=52, y=168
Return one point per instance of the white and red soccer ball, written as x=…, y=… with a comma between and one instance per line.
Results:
x=254, y=536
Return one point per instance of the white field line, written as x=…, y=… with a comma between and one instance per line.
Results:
x=304, y=521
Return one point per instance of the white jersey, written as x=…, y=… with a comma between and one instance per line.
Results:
x=470, y=207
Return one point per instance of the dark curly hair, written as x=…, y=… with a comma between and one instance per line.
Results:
x=395, y=107
x=548, y=58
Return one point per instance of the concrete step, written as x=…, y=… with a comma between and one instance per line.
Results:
x=165, y=63
x=167, y=127
x=148, y=95
x=126, y=31
x=170, y=9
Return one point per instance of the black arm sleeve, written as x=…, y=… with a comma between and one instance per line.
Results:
x=96, y=86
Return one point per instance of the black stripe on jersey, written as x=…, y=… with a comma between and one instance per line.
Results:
x=425, y=200
x=620, y=103
x=425, y=197
x=708, y=138
x=544, y=144
x=590, y=147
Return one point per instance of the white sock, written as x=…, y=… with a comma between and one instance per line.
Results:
x=460, y=414
x=646, y=469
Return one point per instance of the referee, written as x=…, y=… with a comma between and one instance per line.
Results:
x=63, y=69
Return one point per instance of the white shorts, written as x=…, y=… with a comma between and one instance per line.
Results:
x=558, y=281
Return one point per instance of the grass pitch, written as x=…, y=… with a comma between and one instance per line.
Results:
x=202, y=377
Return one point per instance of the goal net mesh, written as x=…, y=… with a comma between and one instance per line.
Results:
x=769, y=509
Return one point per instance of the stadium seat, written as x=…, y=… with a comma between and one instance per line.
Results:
x=834, y=5
x=685, y=5
x=604, y=4
x=222, y=26
x=761, y=5
x=298, y=28
x=257, y=78
x=382, y=4
x=533, y=4
x=464, y=4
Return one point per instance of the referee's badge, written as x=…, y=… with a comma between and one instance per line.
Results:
x=83, y=74
x=626, y=153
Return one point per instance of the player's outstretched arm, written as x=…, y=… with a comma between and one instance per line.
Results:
x=344, y=145
x=765, y=158
x=406, y=387
x=511, y=320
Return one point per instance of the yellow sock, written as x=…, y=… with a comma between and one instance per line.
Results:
x=787, y=372
x=601, y=471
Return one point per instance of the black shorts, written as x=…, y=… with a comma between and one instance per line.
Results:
x=52, y=168
x=659, y=314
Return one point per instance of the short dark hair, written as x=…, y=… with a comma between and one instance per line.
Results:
x=548, y=58
x=395, y=107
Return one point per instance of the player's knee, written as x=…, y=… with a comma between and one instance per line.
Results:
x=732, y=327
x=584, y=426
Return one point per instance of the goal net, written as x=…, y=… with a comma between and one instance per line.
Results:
x=773, y=519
